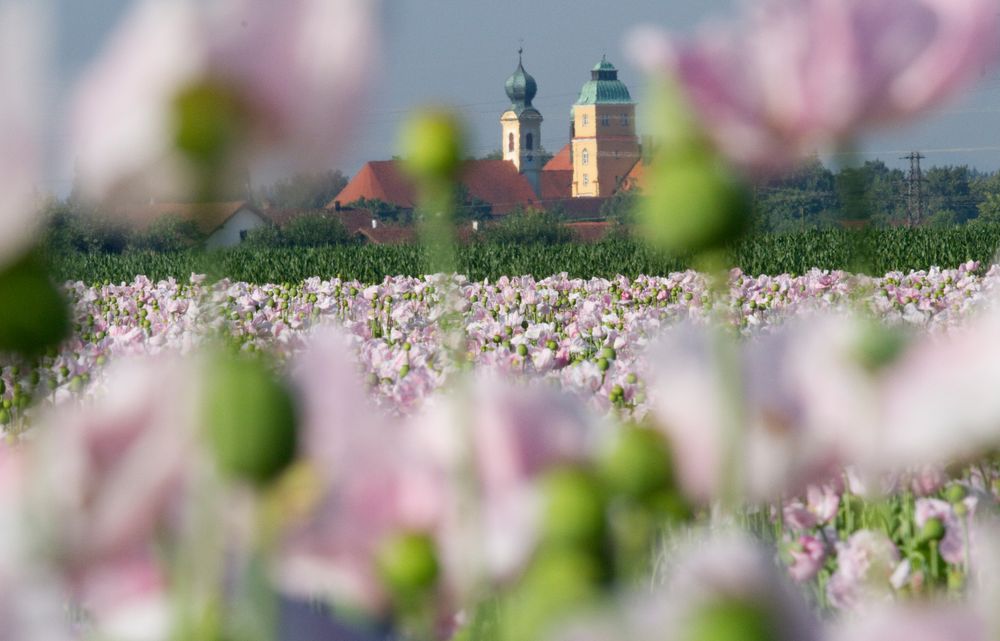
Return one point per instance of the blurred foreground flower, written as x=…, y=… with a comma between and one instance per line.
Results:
x=801, y=75
x=21, y=75
x=720, y=586
x=186, y=95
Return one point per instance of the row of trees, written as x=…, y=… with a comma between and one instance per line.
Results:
x=815, y=196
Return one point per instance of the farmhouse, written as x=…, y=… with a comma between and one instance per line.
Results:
x=602, y=156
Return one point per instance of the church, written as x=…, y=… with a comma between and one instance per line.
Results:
x=603, y=155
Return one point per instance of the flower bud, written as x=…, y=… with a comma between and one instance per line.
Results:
x=933, y=530
x=730, y=620
x=35, y=315
x=955, y=493
x=407, y=564
x=638, y=465
x=432, y=146
x=574, y=514
x=249, y=418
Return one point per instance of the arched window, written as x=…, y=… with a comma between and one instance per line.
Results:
x=585, y=157
x=510, y=142
x=529, y=142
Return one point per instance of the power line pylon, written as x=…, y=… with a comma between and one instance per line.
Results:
x=914, y=190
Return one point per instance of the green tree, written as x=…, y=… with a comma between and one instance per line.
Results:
x=949, y=189
x=315, y=230
x=528, y=226
x=169, y=233
x=621, y=206
x=385, y=212
x=305, y=190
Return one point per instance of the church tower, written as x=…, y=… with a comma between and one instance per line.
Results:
x=521, y=126
x=604, y=144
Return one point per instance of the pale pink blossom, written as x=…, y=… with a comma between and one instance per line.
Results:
x=914, y=623
x=728, y=568
x=865, y=564
x=298, y=89
x=798, y=75
x=808, y=555
x=952, y=546
x=790, y=433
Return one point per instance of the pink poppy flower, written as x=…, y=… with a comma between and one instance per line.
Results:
x=798, y=75
x=865, y=564
x=298, y=90
x=808, y=555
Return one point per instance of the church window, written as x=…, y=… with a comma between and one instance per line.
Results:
x=585, y=157
x=529, y=142
x=586, y=179
x=624, y=120
x=510, y=142
x=586, y=119
x=605, y=120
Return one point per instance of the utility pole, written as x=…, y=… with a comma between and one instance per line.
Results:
x=915, y=190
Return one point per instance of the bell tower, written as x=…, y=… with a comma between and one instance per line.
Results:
x=604, y=143
x=521, y=126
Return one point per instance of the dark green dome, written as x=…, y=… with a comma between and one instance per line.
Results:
x=521, y=88
x=604, y=87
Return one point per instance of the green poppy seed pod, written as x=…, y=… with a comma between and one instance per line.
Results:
x=552, y=345
x=407, y=564
x=249, y=418
x=574, y=509
x=632, y=379
x=639, y=463
x=603, y=364
x=879, y=346
x=609, y=353
x=933, y=530
x=432, y=144
x=522, y=350
x=404, y=370
x=694, y=203
x=955, y=493
x=730, y=620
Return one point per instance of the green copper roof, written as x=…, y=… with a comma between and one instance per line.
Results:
x=521, y=88
x=604, y=87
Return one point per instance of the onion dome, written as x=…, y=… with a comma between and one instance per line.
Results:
x=604, y=87
x=521, y=87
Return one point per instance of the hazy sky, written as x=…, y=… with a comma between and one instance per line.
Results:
x=460, y=52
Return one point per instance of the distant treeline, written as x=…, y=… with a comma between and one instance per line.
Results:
x=814, y=196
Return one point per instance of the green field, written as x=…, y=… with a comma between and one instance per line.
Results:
x=875, y=252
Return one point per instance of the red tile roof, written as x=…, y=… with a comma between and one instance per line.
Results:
x=378, y=180
x=561, y=161
x=556, y=184
x=498, y=183
x=495, y=181
x=635, y=178
x=389, y=234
